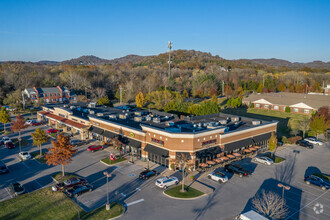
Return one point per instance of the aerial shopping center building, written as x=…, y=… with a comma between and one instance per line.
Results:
x=160, y=136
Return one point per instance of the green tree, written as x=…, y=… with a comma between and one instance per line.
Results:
x=318, y=124
x=4, y=117
x=139, y=99
x=39, y=137
x=272, y=144
x=287, y=109
x=260, y=87
x=104, y=101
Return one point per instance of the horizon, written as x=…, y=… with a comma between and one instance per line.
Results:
x=296, y=31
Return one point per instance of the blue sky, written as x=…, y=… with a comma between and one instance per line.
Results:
x=57, y=30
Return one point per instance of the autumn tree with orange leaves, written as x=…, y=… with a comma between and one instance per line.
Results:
x=18, y=126
x=61, y=152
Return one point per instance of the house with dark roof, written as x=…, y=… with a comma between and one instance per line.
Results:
x=50, y=95
x=297, y=102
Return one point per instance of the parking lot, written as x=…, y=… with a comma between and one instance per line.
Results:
x=144, y=199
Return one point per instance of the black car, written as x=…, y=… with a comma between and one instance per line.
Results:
x=77, y=143
x=237, y=169
x=3, y=167
x=146, y=174
x=317, y=181
x=16, y=189
x=77, y=190
x=304, y=143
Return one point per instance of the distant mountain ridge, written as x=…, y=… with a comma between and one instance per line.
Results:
x=179, y=55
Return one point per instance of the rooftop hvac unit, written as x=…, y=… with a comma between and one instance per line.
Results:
x=223, y=122
x=228, y=119
x=71, y=107
x=255, y=122
x=148, y=118
x=91, y=112
x=113, y=116
x=200, y=124
x=170, y=123
x=92, y=104
x=122, y=116
x=156, y=120
x=99, y=114
x=195, y=126
x=235, y=118
x=138, y=118
x=138, y=113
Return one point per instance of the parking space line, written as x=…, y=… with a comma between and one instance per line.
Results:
x=310, y=187
x=306, y=205
x=8, y=192
x=38, y=183
x=134, y=202
x=25, y=165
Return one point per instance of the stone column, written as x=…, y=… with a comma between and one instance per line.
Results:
x=144, y=154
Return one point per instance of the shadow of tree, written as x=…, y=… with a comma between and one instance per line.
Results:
x=284, y=172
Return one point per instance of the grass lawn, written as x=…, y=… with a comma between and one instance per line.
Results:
x=284, y=118
x=23, y=142
x=36, y=155
x=52, y=135
x=322, y=176
x=276, y=159
x=190, y=192
x=40, y=204
x=110, y=162
x=58, y=176
x=116, y=209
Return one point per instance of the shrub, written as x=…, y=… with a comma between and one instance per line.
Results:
x=293, y=140
x=172, y=166
x=192, y=178
x=287, y=109
x=251, y=105
x=311, y=133
x=285, y=140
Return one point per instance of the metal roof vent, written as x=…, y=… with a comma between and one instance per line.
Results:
x=99, y=114
x=256, y=122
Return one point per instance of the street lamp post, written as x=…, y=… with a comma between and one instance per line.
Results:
x=283, y=187
x=107, y=207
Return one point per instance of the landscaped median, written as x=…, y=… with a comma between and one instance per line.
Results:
x=46, y=204
x=36, y=155
x=190, y=193
x=110, y=162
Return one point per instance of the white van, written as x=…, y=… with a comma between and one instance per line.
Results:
x=251, y=215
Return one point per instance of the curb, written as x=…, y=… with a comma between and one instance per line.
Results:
x=110, y=165
x=184, y=198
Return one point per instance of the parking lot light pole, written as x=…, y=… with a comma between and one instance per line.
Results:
x=283, y=187
x=107, y=207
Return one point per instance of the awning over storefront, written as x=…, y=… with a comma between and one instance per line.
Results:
x=133, y=143
x=238, y=144
x=96, y=130
x=263, y=137
x=109, y=134
x=156, y=150
x=209, y=151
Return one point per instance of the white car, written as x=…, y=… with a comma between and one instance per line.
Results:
x=165, y=182
x=218, y=176
x=29, y=122
x=4, y=139
x=24, y=155
x=264, y=160
x=313, y=140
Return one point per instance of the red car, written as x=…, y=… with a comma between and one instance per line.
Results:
x=9, y=144
x=52, y=130
x=95, y=148
x=37, y=123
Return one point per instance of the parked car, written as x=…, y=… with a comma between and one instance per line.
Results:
x=52, y=130
x=146, y=174
x=264, y=160
x=317, y=181
x=9, y=144
x=4, y=139
x=218, y=176
x=279, y=143
x=69, y=183
x=237, y=169
x=77, y=143
x=313, y=140
x=165, y=182
x=3, y=168
x=77, y=190
x=16, y=188
x=93, y=148
x=29, y=122
x=24, y=155
x=304, y=143
x=36, y=123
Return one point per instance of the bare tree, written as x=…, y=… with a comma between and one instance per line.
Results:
x=304, y=125
x=270, y=204
x=184, y=162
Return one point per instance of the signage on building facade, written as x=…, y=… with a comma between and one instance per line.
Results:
x=131, y=134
